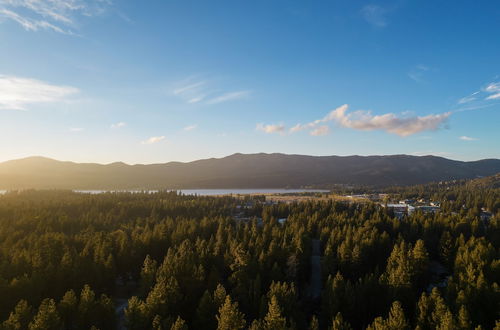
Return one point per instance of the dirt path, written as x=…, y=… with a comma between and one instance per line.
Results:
x=315, y=285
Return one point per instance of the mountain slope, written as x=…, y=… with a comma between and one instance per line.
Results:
x=242, y=171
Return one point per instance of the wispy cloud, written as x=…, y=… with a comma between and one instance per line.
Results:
x=364, y=121
x=118, y=125
x=200, y=91
x=153, y=140
x=55, y=15
x=190, y=88
x=417, y=73
x=16, y=93
x=467, y=138
x=487, y=96
x=494, y=90
x=375, y=15
x=76, y=129
x=468, y=98
x=232, y=96
x=31, y=24
x=190, y=127
x=320, y=131
x=272, y=128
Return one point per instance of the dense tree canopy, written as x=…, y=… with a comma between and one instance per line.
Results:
x=168, y=261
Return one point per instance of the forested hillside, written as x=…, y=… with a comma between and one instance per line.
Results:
x=74, y=261
x=243, y=171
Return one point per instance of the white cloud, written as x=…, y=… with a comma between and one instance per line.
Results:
x=232, y=96
x=493, y=87
x=30, y=24
x=320, y=131
x=494, y=96
x=190, y=127
x=467, y=138
x=302, y=127
x=389, y=122
x=487, y=96
x=16, y=93
x=375, y=15
x=118, y=125
x=55, y=15
x=468, y=98
x=364, y=121
x=193, y=91
x=494, y=90
x=76, y=129
x=153, y=139
x=273, y=128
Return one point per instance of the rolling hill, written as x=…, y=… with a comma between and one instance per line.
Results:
x=242, y=171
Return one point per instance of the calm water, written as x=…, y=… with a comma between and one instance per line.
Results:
x=209, y=192
x=213, y=192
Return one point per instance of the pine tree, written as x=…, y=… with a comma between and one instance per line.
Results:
x=274, y=319
x=424, y=310
x=314, y=324
x=179, y=324
x=148, y=275
x=230, y=318
x=20, y=317
x=47, y=317
x=378, y=324
x=164, y=298
x=447, y=322
x=68, y=308
x=87, y=307
x=135, y=314
x=397, y=319
x=257, y=324
x=219, y=296
x=157, y=323
x=398, y=272
x=338, y=323
x=446, y=248
x=464, y=322
x=420, y=263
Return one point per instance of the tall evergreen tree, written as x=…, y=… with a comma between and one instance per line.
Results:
x=47, y=317
x=274, y=320
x=20, y=317
x=230, y=318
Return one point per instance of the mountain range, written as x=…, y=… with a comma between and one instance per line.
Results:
x=242, y=171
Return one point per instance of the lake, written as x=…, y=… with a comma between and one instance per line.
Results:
x=214, y=192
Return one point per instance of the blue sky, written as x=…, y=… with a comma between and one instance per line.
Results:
x=157, y=81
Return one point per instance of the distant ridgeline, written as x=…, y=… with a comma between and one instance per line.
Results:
x=243, y=171
x=169, y=261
